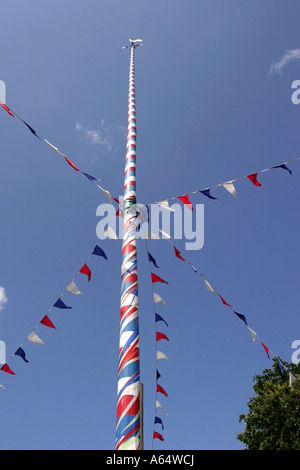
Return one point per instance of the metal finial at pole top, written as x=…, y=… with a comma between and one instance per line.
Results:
x=128, y=426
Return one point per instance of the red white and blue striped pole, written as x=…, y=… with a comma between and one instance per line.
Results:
x=128, y=427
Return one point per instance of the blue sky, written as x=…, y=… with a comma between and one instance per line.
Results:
x=211, y=106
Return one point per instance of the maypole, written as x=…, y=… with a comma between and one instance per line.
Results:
x=128, y=427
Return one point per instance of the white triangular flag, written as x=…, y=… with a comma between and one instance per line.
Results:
x=160, y=355
x=1, y=386
x=208, y=286
x=165, y=235
x=292, y=379
x=165, y=205
x=157, y=298
x=107, y=194
x=230, y=188
x=54, y=148
x=110, y=233
x=253, y=334
x=34, y=338
x=159, y=405
x=73, y=288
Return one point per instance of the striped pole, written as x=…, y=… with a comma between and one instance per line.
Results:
x=128, y=429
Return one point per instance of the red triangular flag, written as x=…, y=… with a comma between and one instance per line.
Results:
x=160, y=336
x=72, y=164
x=224, y=301
x=185, y=200
x=156, y=435
x=266, y=349
x=5, y=368
x=86, y=270
x=156, y=278
x=177, y=253
x=6, y=109
x=253, y=178
x=161, y=390
x=47, y=322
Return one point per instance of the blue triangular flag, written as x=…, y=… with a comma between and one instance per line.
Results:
x=206, y=193
x=91, y=178
x=59, y=304
x=152, y=260
x=20, y=352
x=241, y=316
x=280, y=365
x=284, y=167
x=160, y=318
x=193, y=267
x=99, y=252
x=157, y=374
x=159, y=421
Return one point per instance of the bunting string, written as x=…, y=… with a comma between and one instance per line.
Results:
x=60, y=304
x=228, y=185
x=241, y=316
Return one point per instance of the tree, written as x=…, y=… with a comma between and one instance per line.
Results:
x=273, y=420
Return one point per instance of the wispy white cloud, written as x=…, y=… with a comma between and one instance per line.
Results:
x=3, y=298
x=95, y=137
x=289, y=56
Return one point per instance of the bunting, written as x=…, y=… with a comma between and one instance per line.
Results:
x=46, y=321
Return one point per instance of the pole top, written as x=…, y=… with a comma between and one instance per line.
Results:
x=133, y=43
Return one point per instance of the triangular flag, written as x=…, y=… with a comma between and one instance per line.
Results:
x=185, y=200
x=280, y=365
x=151, y=236
x=157, y=298
x=156, y=435
x=206, y=193
x=6, y=369
x=107, y=193
x=160, y=318
x=164, y=234
x=6, y=109
x=1, y=386
x=224, y=301
x=109, y=233
x=165, y=205
x=159, y=405
x=284, y=167
x=20, y=352
x=158, y=420
x=47, y=322
x=60, y=304
x=160, y=355
x=208, y=286
x=86, y=270
x=253, y=178
x=72, y=164
x=152, y=260
x=99, y=252
x=161, y=390
x=266, y=349
x=91, y=178
x=157, y=374
x=292, y=379
x=73, y=288
x=156, y=278
x=54, y=148
x=34, y=338
x=177, y=254
x=253, y=334
x=160, y=336
x=230, y=188
x=241, y=316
